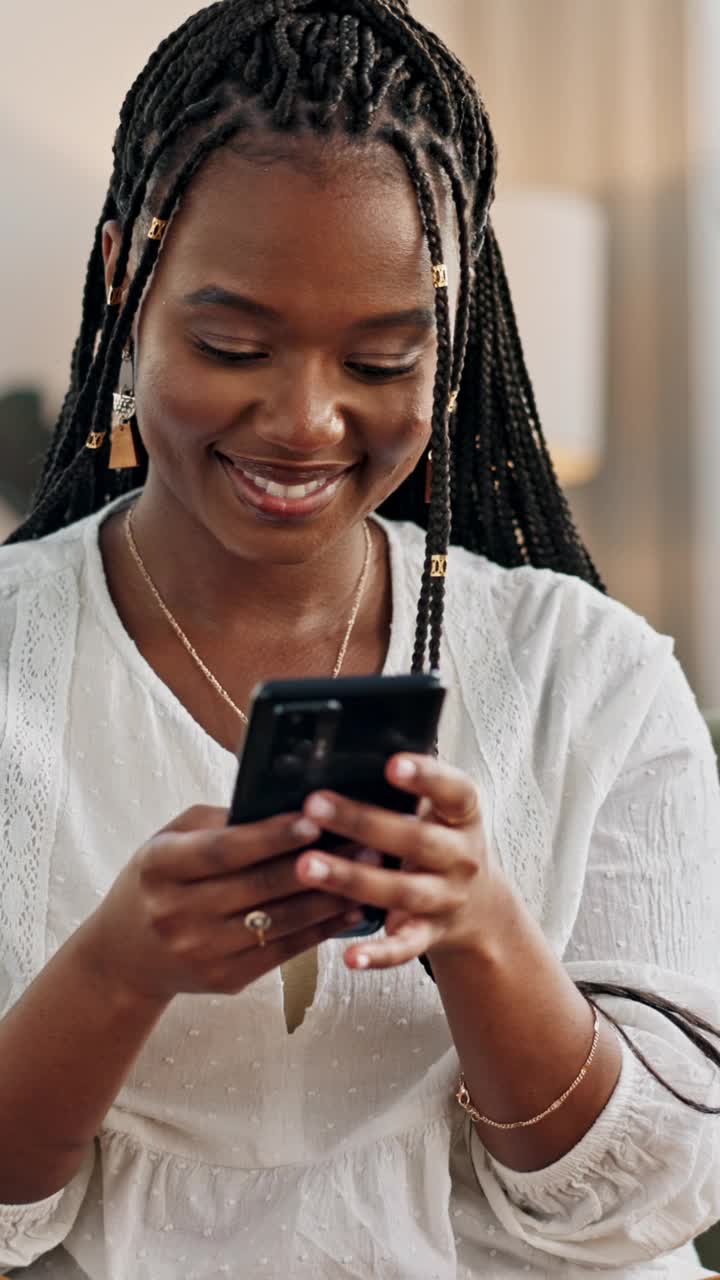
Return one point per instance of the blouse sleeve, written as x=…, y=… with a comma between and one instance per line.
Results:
x=29, y=1231
x=646, y=1178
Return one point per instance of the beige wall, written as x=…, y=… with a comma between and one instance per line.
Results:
x=59, y=101
x=704, y=121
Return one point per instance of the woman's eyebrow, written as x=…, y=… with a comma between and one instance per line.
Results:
x=214, y=295
x=415, y=317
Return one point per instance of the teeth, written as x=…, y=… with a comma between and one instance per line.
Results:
x=292, y=491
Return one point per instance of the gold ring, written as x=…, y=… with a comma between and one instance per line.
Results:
x=259, y=922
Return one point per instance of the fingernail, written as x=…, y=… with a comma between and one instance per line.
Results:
x=320, y=808
x=304, y=829
x=362, y=961
x=405, y=769
x=317, y=869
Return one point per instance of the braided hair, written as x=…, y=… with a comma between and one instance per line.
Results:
x=367, y=67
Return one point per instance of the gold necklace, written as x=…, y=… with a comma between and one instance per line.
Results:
x=193, y=652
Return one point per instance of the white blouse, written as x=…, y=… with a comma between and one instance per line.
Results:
x=236, y=1149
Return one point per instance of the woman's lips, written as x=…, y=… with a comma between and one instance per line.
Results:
x=282, y=506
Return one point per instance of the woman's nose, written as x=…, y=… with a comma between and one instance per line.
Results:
x=303, y=414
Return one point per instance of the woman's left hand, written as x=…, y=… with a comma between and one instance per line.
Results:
x=442, y=897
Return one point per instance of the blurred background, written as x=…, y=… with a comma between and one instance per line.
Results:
x=607, y=114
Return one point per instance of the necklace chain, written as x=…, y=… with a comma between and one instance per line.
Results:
x=193, y=652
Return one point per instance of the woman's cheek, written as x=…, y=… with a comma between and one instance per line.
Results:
x=407, y=428
x=180, y=406
x=399, y=456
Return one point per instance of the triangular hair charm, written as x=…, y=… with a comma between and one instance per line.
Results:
x=123, y=454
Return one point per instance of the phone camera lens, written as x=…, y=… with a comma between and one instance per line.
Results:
x=286, y=765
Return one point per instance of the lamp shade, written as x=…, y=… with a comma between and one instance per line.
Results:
x=555, y=247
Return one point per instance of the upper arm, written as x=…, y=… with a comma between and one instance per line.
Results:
x=653, y=869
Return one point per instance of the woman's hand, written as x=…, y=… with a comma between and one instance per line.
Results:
x=442, y=897
x=174, y=921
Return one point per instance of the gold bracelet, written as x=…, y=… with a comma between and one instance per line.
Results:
x=465, y=1101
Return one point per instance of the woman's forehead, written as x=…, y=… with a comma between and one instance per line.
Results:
x=344, y=214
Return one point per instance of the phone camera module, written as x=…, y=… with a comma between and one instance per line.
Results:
x=287, y=765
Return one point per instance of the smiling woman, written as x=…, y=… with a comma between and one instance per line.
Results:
x=293, y=298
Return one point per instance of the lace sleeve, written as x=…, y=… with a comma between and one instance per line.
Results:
x=646, y=1178
x=37, y=634
x=38, y=624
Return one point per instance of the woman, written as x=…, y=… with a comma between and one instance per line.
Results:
x=294, y=295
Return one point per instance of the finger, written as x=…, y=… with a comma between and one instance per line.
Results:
x=411, y=939
x=452, y=794
x=222, y=897
x=289, y=916
x=201, y=817
x=235, y=973
x=186, y=856
x=416, y=893
x=402, y=835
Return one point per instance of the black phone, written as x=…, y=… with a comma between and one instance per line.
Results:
x=337, y=735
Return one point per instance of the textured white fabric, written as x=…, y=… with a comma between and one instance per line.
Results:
x=235, y=1149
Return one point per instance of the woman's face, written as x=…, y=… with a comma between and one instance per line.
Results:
x=288, y=339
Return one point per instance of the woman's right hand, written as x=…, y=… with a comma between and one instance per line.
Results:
x=173, y=922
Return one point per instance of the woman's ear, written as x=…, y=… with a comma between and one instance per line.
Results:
x=111, y=241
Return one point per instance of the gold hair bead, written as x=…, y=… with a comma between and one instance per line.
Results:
x=115, y=297
x=95, y=440
x=439, y=567
x=440, y=276
x=157, y=229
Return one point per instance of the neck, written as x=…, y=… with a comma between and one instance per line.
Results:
x=202, y=580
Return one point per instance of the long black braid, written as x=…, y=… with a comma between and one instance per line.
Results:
x=369, y=68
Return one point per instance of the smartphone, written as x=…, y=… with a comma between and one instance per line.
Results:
x=337, y=735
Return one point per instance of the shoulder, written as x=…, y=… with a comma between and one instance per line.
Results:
x=547, y=657
x=555, y=615
x=41, y=590
x=29, y=566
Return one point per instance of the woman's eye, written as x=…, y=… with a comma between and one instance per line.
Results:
x=228, y=357
x=380, y=372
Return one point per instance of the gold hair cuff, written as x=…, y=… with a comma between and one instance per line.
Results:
x=439, y=567
x=95, y=440
x=465, y=1101
x=115, y=297
x=440, y=276
x=452, y=402
x=157, y=229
